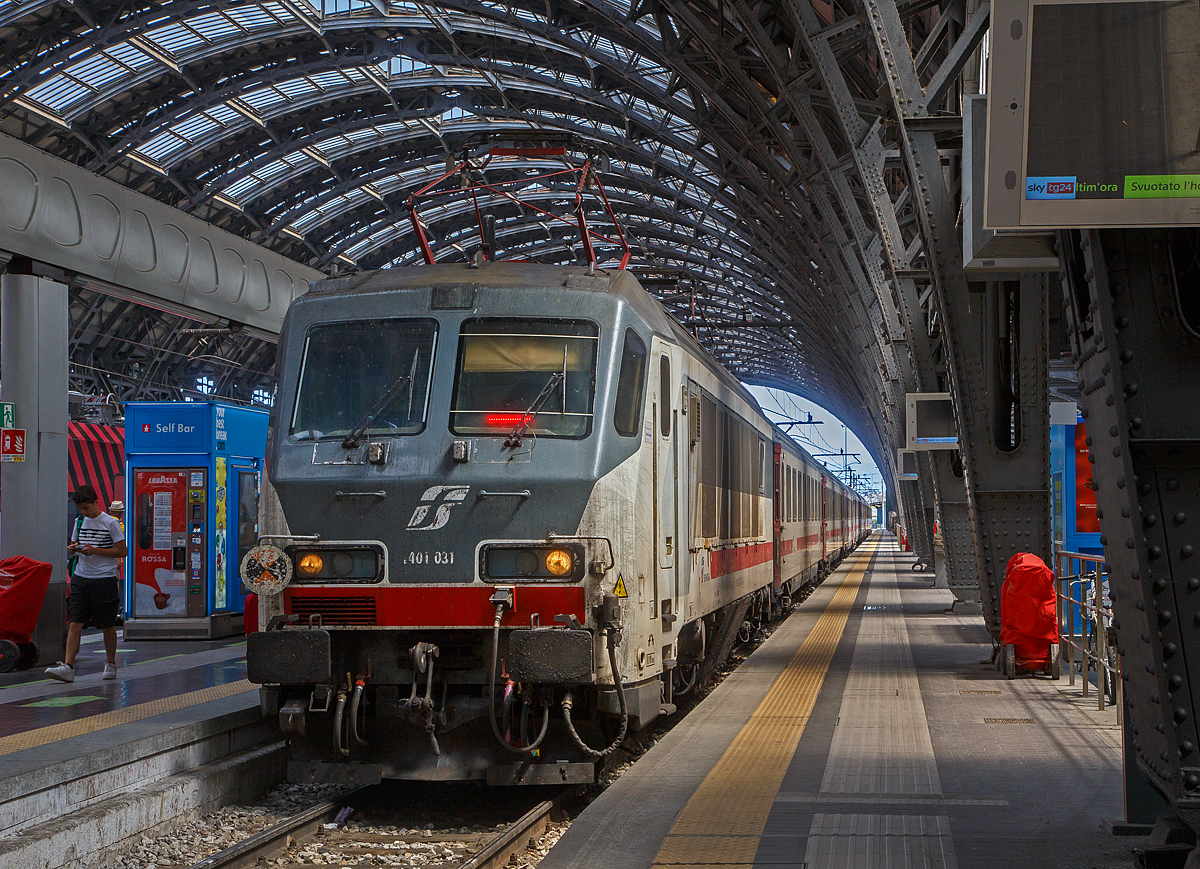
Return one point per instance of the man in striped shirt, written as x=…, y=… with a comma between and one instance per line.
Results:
x=100, y=544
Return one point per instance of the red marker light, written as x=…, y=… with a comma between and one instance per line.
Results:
x=506, y=420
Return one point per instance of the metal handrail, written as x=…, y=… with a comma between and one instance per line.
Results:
x=1071, y=574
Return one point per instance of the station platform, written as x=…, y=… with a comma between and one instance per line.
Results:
x=870, y=730
x=145, y=737
x=171, y=674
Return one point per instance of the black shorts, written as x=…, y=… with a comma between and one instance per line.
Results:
x=93, y=601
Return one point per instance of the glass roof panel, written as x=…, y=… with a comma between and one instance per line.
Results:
x=174, y=38
x=162, y=147
x=268, y=97
x=59, y=93
x=196, y=127
x=131, y=56
x=253, y=17
x=215, y=26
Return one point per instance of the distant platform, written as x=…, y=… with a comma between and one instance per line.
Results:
x=870, y=730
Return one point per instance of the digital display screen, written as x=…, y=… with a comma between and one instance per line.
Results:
x=1113, y=101
x=930, y=421
x=935, y=422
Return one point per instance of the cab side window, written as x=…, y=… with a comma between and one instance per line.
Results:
x=664, y=394
x=630, y=383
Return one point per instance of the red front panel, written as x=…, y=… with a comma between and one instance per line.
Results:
x=438, y=606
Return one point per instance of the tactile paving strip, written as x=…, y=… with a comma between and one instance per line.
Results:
x=81, y=726
x=722, y=822
x=880, y=840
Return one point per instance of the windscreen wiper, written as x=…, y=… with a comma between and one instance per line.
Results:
x=354, y=439
x=514, y=438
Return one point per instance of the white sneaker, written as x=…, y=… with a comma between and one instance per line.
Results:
x=62, y=672
x=110, y=671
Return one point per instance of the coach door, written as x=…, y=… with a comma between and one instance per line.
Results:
x=824, y=518
x=777, y=511
x=666, y=474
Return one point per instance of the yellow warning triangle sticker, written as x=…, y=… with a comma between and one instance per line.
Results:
x=620, y=591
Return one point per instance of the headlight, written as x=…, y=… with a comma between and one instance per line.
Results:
x=357, y=564
x=266, y=569
x=310, y=564
x=559, y=562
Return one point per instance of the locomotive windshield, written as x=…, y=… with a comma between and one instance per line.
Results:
x=370, y=375
x=539, y=375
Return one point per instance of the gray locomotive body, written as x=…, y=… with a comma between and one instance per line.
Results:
x=512, y=494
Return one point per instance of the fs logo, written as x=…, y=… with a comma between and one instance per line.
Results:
x=443, y=498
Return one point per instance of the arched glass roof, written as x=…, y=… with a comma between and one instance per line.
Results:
x=305, y=126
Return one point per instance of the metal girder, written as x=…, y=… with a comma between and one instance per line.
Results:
x=1135, y=344
x=729, y=57
x=997, y=366
x=869, y=153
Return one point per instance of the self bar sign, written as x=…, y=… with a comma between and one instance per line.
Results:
x=12, y=445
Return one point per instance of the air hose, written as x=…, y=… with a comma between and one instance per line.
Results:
x=355, y=700
x=515, y=749
x=568, y=701
x=337, y=724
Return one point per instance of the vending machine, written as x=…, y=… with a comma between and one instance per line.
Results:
x=193, y=472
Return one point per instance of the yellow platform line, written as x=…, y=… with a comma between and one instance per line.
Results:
x=723, y=821
x=81, y=726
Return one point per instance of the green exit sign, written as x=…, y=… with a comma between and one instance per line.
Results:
x=8, y=415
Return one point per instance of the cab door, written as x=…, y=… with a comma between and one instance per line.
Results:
x=666, y=471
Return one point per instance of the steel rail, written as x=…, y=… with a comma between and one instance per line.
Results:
x=276, y=839
x=528, y=827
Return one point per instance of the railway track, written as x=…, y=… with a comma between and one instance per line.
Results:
x=294, y=836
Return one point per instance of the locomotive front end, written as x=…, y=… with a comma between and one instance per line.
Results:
x=442, y=587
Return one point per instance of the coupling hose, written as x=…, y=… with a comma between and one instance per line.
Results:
x=337, y=724
x=355, y=701
x=515, y=749
x=568, y=700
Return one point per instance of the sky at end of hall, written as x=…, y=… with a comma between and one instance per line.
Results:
x=826, y=434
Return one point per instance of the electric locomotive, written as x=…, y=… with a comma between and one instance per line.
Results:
x=521, y=507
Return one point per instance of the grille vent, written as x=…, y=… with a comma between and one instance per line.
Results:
x=336, y=610
x=1009, y=721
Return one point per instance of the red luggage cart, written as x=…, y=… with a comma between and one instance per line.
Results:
x=23, y=584
x=1028, y=621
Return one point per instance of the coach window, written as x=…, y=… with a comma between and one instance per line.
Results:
x=664, y=394
x=372, y=375
x=538, y=376
x=629, y=385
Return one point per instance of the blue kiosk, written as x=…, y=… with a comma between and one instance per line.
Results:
x=192, y=476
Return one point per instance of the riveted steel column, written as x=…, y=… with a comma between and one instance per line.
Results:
x=935, y=483
x=33, y=359
x=1138, y=356
x=958, y=539
x=1007, y=486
